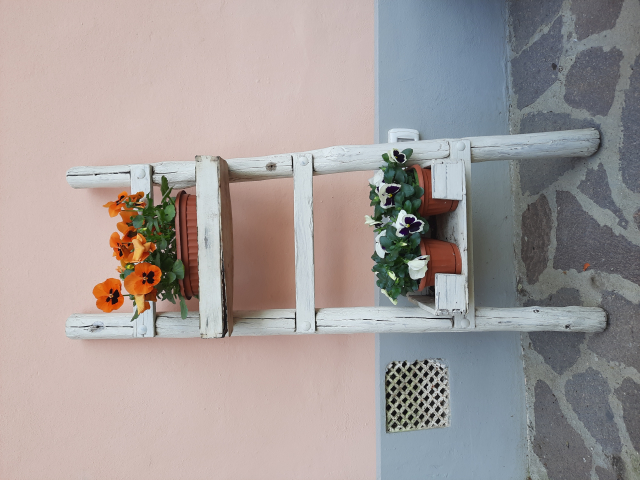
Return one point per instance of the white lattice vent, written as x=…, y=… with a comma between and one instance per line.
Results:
x=417, y=395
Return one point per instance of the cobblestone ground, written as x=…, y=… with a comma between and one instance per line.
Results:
x=576, y=64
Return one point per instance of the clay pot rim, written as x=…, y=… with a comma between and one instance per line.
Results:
x=182, y=196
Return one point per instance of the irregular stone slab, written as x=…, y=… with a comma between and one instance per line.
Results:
x=560, y=350
x=629, y=156
x=580, y=239
x=588, y=394
x=628, y=393
x=592, y=79
x=595, y=16
x=532, y=72
x=596, y=186
x=536, y=237
x=536, y=175
x=558, y=446
x=617, y=469
x=527, y=16
x=621, y=340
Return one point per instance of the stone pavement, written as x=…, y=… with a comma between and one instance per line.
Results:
x=576, y=64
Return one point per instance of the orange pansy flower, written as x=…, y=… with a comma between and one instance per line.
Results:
x=142, y=300
x=128, y=232
x=127, y=215
x=136, y=199
x=143, y=279
x=141, y=248
x=121, y=251
x=115, y=207
x=109, y=295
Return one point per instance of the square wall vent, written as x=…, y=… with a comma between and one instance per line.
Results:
x=417, y=395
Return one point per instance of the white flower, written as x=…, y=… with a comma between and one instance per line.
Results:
x=392, y=276
x=395, y=302
x=371, y=222
x=418, y=267
x=377, y=179
x=386, y=192
x=397, y=156
x=379, y=248
x=408, y=224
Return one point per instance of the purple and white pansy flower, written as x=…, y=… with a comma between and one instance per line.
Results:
x=386, y=192
x=418, y=267
x=380, y=250
x=397, y=156
x=408, y=224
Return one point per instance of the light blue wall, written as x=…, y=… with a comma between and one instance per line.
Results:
x=441, y=69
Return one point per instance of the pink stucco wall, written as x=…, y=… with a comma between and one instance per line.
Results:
x=98, y=83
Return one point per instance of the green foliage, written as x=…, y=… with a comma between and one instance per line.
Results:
x=157, y=224
x=391, y=270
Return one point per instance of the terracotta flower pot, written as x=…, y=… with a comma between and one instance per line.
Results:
x=445, y=258
x=187, y=243
x=431, y=206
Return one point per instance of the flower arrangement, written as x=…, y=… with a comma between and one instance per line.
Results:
x=396, y=198
x=146, y=249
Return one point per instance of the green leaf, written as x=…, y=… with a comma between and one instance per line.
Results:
x=135, y=314
x=126, y=273
x=389, y=175
x=373, y=195
x=408, y=152
x=416, y=202
x=399, y=198
x=407, y=189
x=419, y=191
x=162, y=244
x=183, y=308
x=164, y=186
x=138, y=221
x=400, y=176
x=407, y=205
x=178, y=269
x=170, y=276
x=170, y=212
x=378, y=211
x=385, y=157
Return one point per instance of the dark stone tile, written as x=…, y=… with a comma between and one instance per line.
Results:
x=595, y=16
x=536, y=237
x=588, y=394
x=628, y=393
x=592, y=79
x=617, y=469
x=620, y=342
x=636, y=218
x=536, y=175
x=596, y=186
x=532, y=71
x=630, y=150
x=558, y=446
x=527, y=16
x=580, y=239
x=560, y=350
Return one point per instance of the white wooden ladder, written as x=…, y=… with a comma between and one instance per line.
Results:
x=452, y=308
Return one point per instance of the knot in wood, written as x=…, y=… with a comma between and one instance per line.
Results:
x=271, y=166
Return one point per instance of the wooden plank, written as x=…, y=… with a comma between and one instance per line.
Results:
x=141, y=181
x=349, y=158
x=379, y=320
x=451, y=295
x=545, y=319
x=303, y=230
x=116, y=176
x=568, y=143
x=447, y=180
x=171, y=325
x=215, y=247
